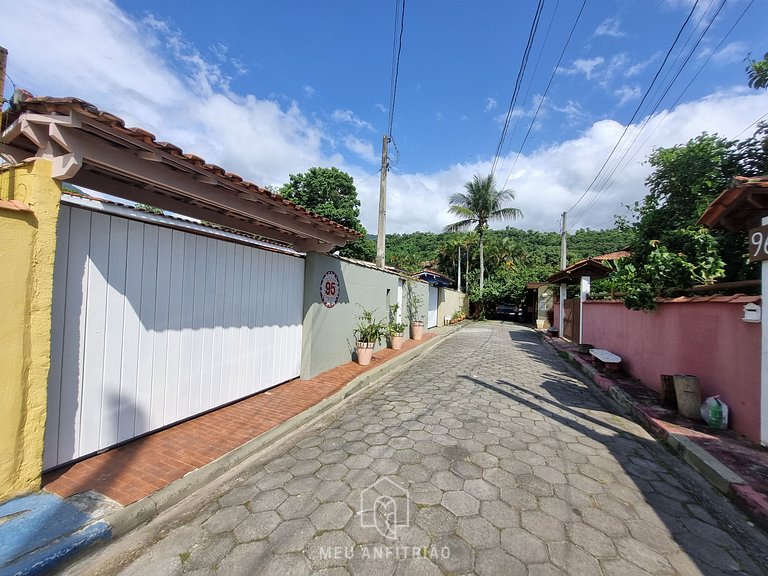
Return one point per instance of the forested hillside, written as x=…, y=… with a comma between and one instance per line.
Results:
x=513, y=257
x=411, y=251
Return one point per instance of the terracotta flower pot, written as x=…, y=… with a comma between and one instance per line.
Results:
x=417, y=330
x=364, y=352
x=396, y=341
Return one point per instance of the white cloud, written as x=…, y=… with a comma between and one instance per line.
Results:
x=240, y=68
x=220, y=51
x=627, y=94
x=491, y=104
x=573, y=112
x=732, y=53
x=551, y=179
x=636, y=69
x=609, y=27
x=309, y=92
x=148, y=75
x=347, y=116
x=361, y=148
x=536, y=103
x=205, y=76
x=583, y=66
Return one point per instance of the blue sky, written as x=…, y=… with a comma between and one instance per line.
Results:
x=266, y=89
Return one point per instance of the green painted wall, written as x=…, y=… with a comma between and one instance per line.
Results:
x=328, y=338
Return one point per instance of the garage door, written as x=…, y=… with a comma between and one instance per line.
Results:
x=153, y=324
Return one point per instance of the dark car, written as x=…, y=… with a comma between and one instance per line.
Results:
x=507, y=311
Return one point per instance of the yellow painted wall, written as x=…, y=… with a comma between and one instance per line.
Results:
x=449, y=301
x=27, y=250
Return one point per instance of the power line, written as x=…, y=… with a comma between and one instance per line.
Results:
x=639, y=106
x=620, y=165
x=518, y=83
x=608, y=179
x=397, y=47
x=364, y=180
x=753, y=123
x=546, y=91
x=531, y=78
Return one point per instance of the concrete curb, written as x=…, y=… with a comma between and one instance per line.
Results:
x=711, y=469
x=129, y=517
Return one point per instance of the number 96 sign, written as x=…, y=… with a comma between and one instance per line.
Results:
x=330, y=289
x=758, y=244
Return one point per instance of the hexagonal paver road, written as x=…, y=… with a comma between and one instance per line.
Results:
x=484, y=456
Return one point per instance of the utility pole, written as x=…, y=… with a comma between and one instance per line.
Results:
x=563, y=286
x=563, y=245
x=3, y=60
x=381, y=242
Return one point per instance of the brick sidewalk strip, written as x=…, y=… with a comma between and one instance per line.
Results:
x=135, y=470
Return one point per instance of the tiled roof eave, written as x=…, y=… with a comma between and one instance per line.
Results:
x=78, y=120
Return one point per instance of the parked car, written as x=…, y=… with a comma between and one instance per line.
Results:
x=507, y=311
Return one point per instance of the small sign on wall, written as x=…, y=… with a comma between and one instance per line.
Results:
x=758, y=244
x=330, y=287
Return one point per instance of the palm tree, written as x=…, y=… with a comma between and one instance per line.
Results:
x=481, y=203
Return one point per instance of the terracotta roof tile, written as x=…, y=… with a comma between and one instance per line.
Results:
x=144, y=135
x=613, y=255
x=48, y=105
x=734, y=299
x=196, y=160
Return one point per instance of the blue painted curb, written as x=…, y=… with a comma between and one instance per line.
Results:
x=40, y=531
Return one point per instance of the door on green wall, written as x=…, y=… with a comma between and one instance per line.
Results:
x=432, y=311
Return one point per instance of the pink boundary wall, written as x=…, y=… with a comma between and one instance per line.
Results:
x=705, y=338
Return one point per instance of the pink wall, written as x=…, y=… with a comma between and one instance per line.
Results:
x=704, y=338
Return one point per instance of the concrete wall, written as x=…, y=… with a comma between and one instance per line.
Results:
x=448, y=302
x=328, y=333
x=29, y=208
x=707, y=339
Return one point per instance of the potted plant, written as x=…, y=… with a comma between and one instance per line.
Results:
x=395, y=329
x=368, y=333
x=414, y=312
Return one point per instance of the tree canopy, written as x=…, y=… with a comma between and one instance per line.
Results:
x=671, y=251
x=757, y=73
x=331, y=192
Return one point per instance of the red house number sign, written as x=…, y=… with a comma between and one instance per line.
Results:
x=329, y=289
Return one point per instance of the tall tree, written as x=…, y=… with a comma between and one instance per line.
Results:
x=671, y=250
x=480, y=204
x=331, y=193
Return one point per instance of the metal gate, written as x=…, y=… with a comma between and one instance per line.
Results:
x=432, y=310
x=153, y=324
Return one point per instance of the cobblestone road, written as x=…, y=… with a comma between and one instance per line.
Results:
x=484, y=456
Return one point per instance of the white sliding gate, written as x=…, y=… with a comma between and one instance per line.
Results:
x=152, y=325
